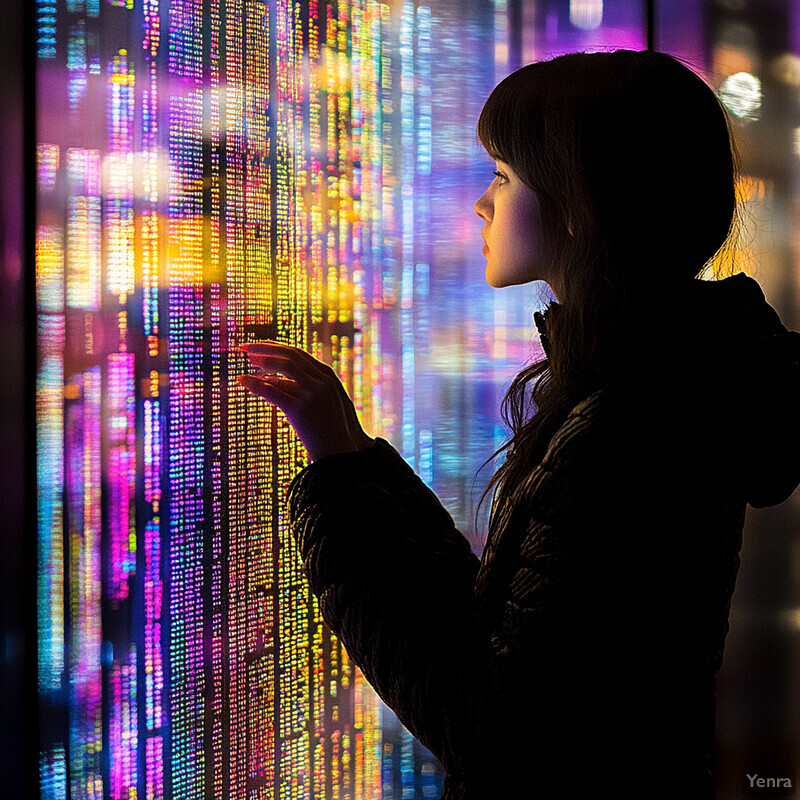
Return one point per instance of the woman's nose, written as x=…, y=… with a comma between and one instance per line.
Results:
x=483, y=208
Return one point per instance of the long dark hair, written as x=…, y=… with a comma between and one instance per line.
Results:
x=633, y=161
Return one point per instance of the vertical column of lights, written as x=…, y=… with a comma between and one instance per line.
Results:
x=338, y=113
x=118, y=221
x=82, y=49
x=361, y=85
x=151, y=42
x=421, y=275
x=120, y=472
x=186, y=438
x=331, y=226
x=250, y=421
x=384, y=359
x=49, y=451
x=343, y=344
x=408, y=246
x=76, y=62
x=120, y=467
x=407, y=763
x=154, y=667
x=84, y=252
x=341, y=314
x=216, y=610
x=262, y=642
x=46, y=28
x=407, y=138
x=315, y=210
x=153, y=590
x=216, y=397
x=386, y=769
x=83, y=477
x=238, y=433
x=335, y=55
x=123, y=734
x=291, y=302
x=366, y=210
x=237, y=421
x=500, y=39
x=214, y=303
x=317, y=191
x=333, y=729
x=372, y=192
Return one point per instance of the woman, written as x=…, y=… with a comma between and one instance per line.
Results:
x=580, y=653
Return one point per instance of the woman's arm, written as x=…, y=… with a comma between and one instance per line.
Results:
x=396, y=582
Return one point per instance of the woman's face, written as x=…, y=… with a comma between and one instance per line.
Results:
x=513, y=230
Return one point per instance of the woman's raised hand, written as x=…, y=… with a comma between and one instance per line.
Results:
x=310, y=394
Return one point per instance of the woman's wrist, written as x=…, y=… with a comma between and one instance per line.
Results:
x=340, y=448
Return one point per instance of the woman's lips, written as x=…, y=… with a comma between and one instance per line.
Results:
x=485, y=248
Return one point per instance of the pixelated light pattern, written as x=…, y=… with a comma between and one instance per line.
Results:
x=211, y=173
x=46, y=18
x=203, y=185
x=83, y=449
x=84, y=229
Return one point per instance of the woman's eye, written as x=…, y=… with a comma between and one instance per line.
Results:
x=499, y=174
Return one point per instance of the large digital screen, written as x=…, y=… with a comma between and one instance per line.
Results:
x=210, y=173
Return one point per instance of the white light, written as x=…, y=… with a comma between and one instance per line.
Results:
x=741, y=94
x=586, y=14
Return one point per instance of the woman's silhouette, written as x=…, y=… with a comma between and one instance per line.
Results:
x=580, y=653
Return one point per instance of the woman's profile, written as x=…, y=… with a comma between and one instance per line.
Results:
x=580, y=652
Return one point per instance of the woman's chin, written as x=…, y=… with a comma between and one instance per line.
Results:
x=494, y=283
x=502, y=281
x=493, y=279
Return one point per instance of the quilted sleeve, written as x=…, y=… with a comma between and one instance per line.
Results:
x=396, y=581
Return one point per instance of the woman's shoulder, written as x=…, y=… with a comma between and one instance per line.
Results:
x=584, y=422
x=586, y=413
x=617, y=428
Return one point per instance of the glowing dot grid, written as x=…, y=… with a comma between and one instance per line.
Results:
x=198, y=194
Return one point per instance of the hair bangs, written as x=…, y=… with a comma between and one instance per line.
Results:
x=499, y=122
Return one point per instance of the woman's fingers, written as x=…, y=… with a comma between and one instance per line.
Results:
x=289, y=360
x=283, y=364
x=275, y=349
x=283, y=393
x=267, y=347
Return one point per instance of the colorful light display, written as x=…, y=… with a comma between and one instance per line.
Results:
x=217, y=172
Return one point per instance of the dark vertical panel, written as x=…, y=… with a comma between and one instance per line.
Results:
x=18, y=538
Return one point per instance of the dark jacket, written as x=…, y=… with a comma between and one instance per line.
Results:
x=580, y=652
